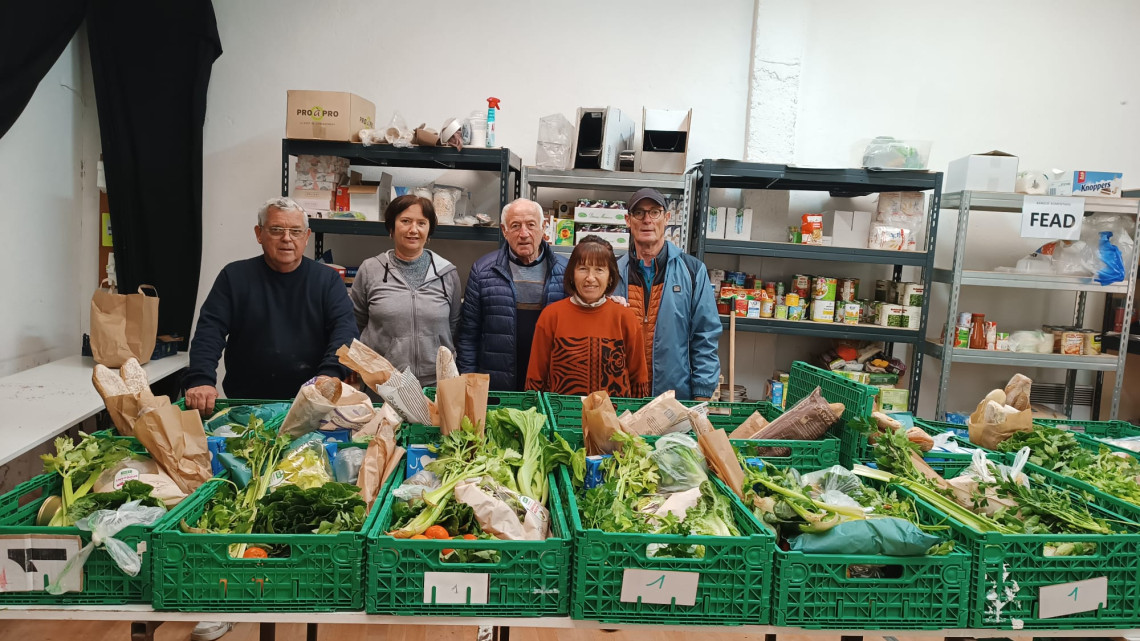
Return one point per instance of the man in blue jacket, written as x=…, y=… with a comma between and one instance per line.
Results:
x=671, y=292
x=506, y=291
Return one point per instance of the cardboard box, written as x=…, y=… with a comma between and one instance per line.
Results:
x=327, y=115
x=715, y=222
x=619, y=240
x=602, y=133
x=317, y=203
x=738, y=224
x=600, y=215
x=991, y=171
x=850, y=228
x=1097, y=183
x=673, y=234
x=665, y=140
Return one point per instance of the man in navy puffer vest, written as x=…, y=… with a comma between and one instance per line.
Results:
x=506, y=291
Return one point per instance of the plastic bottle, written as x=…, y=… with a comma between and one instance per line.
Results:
x=492, y=105
x=978, y=331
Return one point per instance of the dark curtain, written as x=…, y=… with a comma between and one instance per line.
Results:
x=151, y=64
x=151, y=67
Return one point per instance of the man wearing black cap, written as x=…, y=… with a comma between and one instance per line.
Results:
x=671, y=292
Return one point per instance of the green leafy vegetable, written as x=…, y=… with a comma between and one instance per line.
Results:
x=131, y=491
x=1059, y=451
x=325, y=509
x=80, y=465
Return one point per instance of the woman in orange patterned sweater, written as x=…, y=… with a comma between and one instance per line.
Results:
x=588, y=342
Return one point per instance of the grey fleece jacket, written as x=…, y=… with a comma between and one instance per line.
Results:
x=403, y=325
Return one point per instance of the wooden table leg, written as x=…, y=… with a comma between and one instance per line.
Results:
x=268, y=631
x=144, y=630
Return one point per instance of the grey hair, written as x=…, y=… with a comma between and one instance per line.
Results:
x=283, y=204
x=538, y=212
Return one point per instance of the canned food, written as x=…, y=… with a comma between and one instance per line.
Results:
x=823, y=311
x=847, y=290
x=1072, y=342
x=823, y=288
x=882, y=287
x=792, y=300
x=767, y=308
x=1092, y=342
x=852, y=313
x=801, y=285
x=964, y=319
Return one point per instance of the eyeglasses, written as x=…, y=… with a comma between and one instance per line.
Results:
x=652, y=214
x=294, y=232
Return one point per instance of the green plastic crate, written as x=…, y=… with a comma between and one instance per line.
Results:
x=930, y=592
x=566, y=411
x=1090, y=433
x=410, y=433
x=103, y=582
x=858, y=401
x=734, y=587
x=531, y=578
x=194, y=572
x=1015, y=565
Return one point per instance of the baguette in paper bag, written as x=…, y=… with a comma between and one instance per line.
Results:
x=719, y=454
x=599, y=422
x=464, y=395
x=328, y=403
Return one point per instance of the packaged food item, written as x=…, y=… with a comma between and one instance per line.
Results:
x=894, y=400
x=962, y=336
x=884, y=236
x=991, y=335
x=812, y=229
x=795, y=312
x=1092, y=342
x=742, y=307
x=1002, y=344
x=792, y=300
x=823, y=311
x=892, y=316
x=978, y=331
x=823, y=288
x=767, y=308
x=912, y=294
x=881, y=289
x=781, y=312
x=755, y=309
x=852, y=313
x=1056, y=331
x=848, y=289
x=1072, y=342
x=795, y=234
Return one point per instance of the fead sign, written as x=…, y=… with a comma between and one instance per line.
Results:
x=1053, y=217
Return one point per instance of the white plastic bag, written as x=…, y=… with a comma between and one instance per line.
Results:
x=103, y=526
x=555, y=138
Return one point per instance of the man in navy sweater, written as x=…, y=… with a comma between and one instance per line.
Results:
x=279, y=317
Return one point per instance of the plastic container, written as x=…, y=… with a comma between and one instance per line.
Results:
x=858, y=401
x=924, y=593
x=733, y=588
x=530, y=579
x=1016, y=567
x=103, y=582
x=885, y=152
x=475, y=129
x=445, y=199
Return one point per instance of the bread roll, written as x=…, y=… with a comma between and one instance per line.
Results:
x=329, y=387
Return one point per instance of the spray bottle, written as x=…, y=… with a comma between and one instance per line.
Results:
x=492, y=105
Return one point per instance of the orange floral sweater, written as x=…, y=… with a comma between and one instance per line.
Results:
x=580, y=350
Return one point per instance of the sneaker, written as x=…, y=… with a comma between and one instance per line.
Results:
x=210, y=630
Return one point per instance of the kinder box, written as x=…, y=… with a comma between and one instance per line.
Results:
x=327, y=115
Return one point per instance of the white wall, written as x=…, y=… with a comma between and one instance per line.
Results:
x=434, y=60
x=51, y=217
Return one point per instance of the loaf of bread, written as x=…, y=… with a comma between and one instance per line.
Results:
x=329, y=387
x=134, y=376
x=109, y=382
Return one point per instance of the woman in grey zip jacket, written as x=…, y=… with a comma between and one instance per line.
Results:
x=407, y=299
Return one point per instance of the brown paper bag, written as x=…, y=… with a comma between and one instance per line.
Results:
x=374, y=369
x=599, y=422
x=123, y=326
x=749, y=427
x=719, y=454
x=313, y=409
x=370, y=478
x=663, y=415
x=488, y=501
x=999, y=426
x=465, y=395
x=176, y=441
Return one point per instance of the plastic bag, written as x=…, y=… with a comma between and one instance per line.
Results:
x=398, y=133
x=346, y=467
x=555, y=138
x=1130, y=443
x=103, y=526
x=679, y=462
x=415, y=486
x=835, y=478
x=889, y=536
x=306, y=466
x=445, y=200
x=945, y=442
x=238, y=417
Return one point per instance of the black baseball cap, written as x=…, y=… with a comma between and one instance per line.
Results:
x=646, y=192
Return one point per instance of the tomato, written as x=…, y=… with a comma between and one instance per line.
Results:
x=470, y=537
x=437, y=532
x=255, y=553
x=419, y=536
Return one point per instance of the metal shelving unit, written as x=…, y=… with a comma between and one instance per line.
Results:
x=958, y=276
x=501, y=161
x=840, y=183
x=625, y=182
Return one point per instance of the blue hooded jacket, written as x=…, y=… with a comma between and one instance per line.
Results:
x=687, y=330
x=486, y=341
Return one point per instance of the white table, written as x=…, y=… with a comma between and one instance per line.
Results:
x=38, y=404
x=144, y=613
